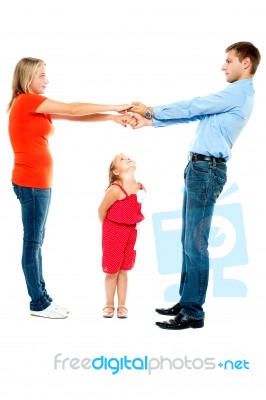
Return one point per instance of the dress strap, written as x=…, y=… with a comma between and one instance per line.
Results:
x=121, y=187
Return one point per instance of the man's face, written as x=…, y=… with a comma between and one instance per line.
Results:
x=233, y=68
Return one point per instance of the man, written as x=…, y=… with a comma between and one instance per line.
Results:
x=221, y=116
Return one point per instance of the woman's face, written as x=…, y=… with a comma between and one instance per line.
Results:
x=39, y=81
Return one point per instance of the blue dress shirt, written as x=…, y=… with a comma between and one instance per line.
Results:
x=222, y=117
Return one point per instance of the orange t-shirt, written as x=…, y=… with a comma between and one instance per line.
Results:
x=28, y=131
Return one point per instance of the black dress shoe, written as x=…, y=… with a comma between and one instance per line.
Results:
x=181, y=322
x=173, y=311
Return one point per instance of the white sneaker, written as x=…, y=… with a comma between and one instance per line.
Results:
x=60, y=308
x=49, y=312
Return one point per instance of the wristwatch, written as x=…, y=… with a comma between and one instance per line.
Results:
x=148, y=114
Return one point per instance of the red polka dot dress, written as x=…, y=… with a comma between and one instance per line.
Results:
x=119, y=234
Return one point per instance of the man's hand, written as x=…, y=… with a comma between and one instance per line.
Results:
x=139, y=108
x=133, y=119
x=137, y=121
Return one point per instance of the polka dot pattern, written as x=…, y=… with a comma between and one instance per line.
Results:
x=119, y=234
x=126, y=211
x=118, y=243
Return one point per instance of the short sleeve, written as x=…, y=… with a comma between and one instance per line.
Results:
x=30, y=102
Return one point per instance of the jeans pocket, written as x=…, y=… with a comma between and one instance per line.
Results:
x=219, y=181
x=16, y=189
x=201, y=167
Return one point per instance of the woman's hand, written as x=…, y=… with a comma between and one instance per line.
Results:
x=125, y=119
x=134, y=120
x=122, y=108
x=121, y=119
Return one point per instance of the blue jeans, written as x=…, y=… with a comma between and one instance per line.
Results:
x=34, y=206
x=204, y=181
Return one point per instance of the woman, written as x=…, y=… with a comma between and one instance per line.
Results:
x=30, y=125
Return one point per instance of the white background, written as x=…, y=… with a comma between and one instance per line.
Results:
x=114, y=52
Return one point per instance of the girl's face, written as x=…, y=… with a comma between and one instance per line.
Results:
x=39, y=81
x=124, y=163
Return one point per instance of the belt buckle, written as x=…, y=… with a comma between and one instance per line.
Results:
x=190, y=157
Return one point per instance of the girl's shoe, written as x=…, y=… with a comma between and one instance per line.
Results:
x=107, y=313
x=122, y=312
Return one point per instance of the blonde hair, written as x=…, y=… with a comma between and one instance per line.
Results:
x=112, y=177
x=23, y=75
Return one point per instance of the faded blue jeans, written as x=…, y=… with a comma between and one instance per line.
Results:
x=34, y=206
x=204, y=181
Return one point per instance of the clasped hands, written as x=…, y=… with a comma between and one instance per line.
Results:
x=134, y=116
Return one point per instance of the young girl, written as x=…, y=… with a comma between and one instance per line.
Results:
x=119, y=212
